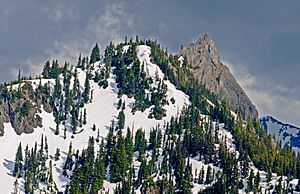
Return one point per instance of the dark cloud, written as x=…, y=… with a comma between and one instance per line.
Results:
x=260, y=40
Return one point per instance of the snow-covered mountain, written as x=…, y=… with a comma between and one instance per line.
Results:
x=286, y=133
x=180, y=147
x=101, y=112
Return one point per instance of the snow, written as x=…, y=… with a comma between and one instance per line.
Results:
x=197, y=166
x=101, y=111
x=180, y=59
x=125, y=48
x=287, y=134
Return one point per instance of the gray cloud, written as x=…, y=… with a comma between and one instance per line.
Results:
x=259, y=39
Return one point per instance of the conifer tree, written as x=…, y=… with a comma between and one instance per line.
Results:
x=69, y=161
x=250, y=181
x=86, y=93
x=57, y=154
x=16, y=187
x=118, y=166
x=18, y=162
x=129, y=146
x=121, y=120
x=84, y=117
x=95, y=56
x=56, y=129
x=208, y=178
x=256, y=183
x=29, y=183
x=279, y=186
x=50, y=177
x=201, y=176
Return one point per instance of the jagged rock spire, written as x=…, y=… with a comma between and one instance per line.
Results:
x=211, y=72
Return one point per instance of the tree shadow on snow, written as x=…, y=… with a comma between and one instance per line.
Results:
x=9, y=165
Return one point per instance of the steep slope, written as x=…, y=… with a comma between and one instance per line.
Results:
x=101, y=111
x=119, y=124
x=287, y=134
x=211, y=72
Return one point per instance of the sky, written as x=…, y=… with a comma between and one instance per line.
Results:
x=258, y=40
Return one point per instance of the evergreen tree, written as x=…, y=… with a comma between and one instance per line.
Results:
x=86, y=93
x=209, y=176
x=250, y=181
x=18, y=162
x=84, y=117
x=56, y=129
x=140, y=143
x=118, y=166
x=279, y=186
x=95, y=56
x=69, y=161
x=256, y=182
x=129, y=146
x=28, y=183
x=121, y=120
x=57, y=154
x=50, y=177
x=16, y=187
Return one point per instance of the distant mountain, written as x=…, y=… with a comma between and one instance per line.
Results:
x=286, y=133
x=217, y=78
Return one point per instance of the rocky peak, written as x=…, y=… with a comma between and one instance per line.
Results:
x=207, y=67
x=208, y=47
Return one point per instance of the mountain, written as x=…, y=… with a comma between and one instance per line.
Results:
x=287, y=134
x=208, y=68
x=132, y=120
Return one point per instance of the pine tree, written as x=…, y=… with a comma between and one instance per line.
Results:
x=187, y=183
x=140, y=143
x=250, y=181
x=201, y=176
x=69, y=161
x=18, y=162
x=50, y=177
x=94, y=127
x=28, y=183
x=129, y=146
x=86, y=93
x=119, y=104
x=84, y=117
x=57, y=154
x=119, y=160
x=16, y=187
x=98, y=135
x=95, y=56
x=208, y=178
x=56, y=129
x=121, y=120
x=99, y=172
x=279, y=186
x=74, y=118
x=46, y=147
x=269, y=175
x=256, y=182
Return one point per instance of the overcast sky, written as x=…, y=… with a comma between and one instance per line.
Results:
x=259, y=41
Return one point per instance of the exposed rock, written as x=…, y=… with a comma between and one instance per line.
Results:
x=211, y=72
x=21, y=122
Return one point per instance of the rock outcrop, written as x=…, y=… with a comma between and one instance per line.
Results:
x=211, y=72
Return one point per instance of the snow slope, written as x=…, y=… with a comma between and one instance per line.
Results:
x=101, y=111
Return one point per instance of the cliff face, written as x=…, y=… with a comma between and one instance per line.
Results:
x=211, y=72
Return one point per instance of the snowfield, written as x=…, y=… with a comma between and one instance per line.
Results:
x=102, y=112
